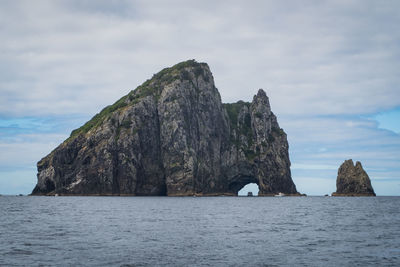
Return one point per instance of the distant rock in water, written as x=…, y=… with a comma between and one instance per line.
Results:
x=172, y=136
x=352, y=180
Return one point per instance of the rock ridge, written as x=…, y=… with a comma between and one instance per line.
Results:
x=352, y=180
x=172, y=136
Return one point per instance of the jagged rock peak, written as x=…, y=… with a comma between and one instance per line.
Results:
x=352, y=180
x=262, y=98
x=172, y=136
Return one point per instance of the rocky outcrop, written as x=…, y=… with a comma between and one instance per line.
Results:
x=352, y=180
x=172, y=136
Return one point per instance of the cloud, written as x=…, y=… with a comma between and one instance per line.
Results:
x=77, y=56
x=319, y=145
x=327, y=67
x=29, y=150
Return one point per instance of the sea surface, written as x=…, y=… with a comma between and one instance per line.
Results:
x=199, y=231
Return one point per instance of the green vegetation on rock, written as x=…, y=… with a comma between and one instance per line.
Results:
x=99, y=117
x=241, y=129
x=233, y=110
x=278, y=131
x=250, y=154
x=125, y=124
x=151, y=87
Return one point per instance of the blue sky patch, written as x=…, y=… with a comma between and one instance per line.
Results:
x=389, y=120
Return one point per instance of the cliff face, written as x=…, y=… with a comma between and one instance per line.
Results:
x=172, y=136
x=352, y=180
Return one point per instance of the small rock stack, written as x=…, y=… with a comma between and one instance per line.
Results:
x=352, y=180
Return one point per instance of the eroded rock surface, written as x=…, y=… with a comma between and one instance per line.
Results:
x=352, y=180
x=172, y=136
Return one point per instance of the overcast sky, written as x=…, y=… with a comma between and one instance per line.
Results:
x=330, y=68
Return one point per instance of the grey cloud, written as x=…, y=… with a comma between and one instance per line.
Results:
x=322, y=63
x=338, y=57
x=28, y=152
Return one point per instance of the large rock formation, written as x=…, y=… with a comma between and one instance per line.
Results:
x=172, y=136
x=352, y=180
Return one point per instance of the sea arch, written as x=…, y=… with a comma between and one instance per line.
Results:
x=241, y=182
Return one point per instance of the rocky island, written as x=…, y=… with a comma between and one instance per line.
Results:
x=352, y=180
x=172, y=136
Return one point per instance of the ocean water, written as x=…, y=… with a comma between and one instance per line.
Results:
x=199, y=231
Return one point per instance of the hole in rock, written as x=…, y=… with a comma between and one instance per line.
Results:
x=252, y=187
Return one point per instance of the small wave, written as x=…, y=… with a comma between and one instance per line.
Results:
x=17, y=251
